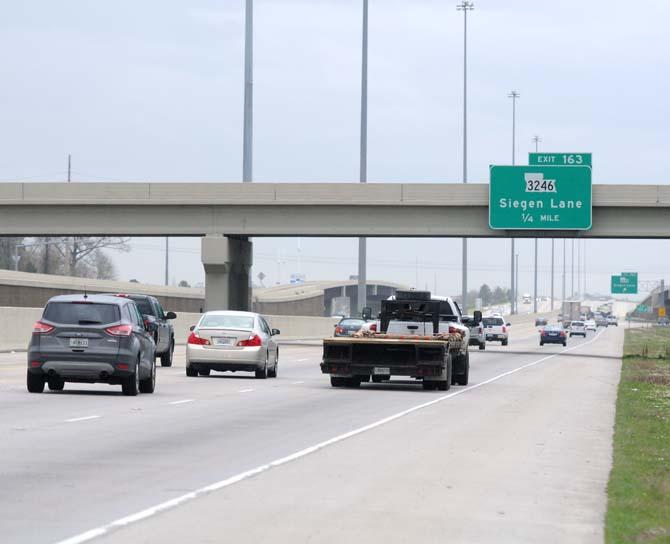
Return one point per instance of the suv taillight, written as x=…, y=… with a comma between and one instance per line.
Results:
x=42, y=328
x=504, y=329
x=196, y=340
x=120, y=330
x=253, y=341
x=339, y=330
x=481, y=330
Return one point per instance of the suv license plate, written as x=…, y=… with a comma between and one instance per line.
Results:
x=78, y=342
x=223, y=341
x=381, y=371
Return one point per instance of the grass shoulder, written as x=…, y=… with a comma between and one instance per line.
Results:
x=639, y=486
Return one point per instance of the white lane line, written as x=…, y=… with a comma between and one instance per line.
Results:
x=181, y=401
x=302, y=360
x=75, y=419
x=296, y=383
x=245, y=390
x=167, y=505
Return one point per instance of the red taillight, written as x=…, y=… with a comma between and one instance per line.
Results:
x=339, y=330
x=42, y=328
x=196, y=340
x=373, y=327
x=562, y=334
x=253, y=341
x=481, y=330
x=504, y=329
x=35, y=364
x=452, y=330
x=120, y=330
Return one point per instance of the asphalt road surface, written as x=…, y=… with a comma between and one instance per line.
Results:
x=522, y=454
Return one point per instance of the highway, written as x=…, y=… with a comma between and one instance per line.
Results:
x=522, y=454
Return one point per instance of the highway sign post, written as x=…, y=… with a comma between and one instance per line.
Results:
x=624, y=284
x=560, y=159
x=540, y=198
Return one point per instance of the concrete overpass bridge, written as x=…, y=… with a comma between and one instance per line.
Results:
x=227, y=214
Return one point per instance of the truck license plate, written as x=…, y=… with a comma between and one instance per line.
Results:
x=78, y=342
x=381, y=371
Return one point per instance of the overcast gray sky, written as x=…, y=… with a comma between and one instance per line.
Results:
x=152, y=90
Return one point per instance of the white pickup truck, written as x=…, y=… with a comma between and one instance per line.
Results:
x=496, y=329
x=417, y=336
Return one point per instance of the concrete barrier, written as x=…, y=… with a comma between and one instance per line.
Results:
x=16, y=325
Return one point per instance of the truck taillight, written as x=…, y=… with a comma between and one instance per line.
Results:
x=196, y=340
x=253, y=341
x=504, y=328
x=42, y=328
x=481, y=330
x=452, y=330
x=373, y=327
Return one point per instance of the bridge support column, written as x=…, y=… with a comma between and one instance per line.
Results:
x=227, y=261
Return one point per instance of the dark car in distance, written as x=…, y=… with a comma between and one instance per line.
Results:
x=541, y=322
x=151, y=309
x=91, y=339
x=348, y=326
x=553, y=334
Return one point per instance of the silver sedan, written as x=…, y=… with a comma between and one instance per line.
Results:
x=232, y=341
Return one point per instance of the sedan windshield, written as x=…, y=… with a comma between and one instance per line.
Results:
x=227, y=322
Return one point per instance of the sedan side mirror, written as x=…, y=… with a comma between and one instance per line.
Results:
x=170, y=315
x=275, y=332
x=191, y=328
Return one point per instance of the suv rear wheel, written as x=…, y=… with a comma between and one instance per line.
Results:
x=35, y=383
x=148, y=385
x=56, y=384
x=131, y=385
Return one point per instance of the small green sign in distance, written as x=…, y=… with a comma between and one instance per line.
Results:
x=624, y=285
x=560, y=159
x=540, y=198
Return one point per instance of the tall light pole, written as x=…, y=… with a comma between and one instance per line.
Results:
x=572, y=280
x=465, y=6
x=248, y=137
x=516, y=263
x=564, y=268
x=537, y=141
x=513, y=95
x=362, y=242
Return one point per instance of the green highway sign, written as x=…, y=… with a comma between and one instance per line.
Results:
x=560, y=159
x=624, y=285
x=641, y=308
x=631, y=275
x=540, y=198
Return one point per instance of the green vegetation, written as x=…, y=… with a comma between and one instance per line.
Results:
x=639, y=487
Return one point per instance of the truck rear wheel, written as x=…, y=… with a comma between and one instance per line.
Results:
x=462, y=370
x=428, y=386
x=336, y=381
x=353, y=382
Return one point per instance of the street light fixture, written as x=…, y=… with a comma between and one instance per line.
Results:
x=465, y=6
x=362, y=242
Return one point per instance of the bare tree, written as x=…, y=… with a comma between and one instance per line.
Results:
x=81, y=254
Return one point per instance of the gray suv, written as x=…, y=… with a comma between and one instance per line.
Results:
x=89, y=339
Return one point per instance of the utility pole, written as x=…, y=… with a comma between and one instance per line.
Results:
x=516, y=263
x=69, y=168
x=513, y=95
x=465, y=6
x=362, y=242
x=167, y=260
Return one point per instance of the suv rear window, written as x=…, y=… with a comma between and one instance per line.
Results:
x=493, y=321
x=81, y=313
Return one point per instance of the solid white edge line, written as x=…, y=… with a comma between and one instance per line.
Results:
x=75, y=419
x=152, y=511
x=181, y=401
x=245, y=390
x=297, y=383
